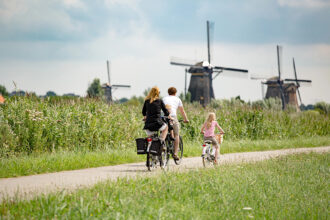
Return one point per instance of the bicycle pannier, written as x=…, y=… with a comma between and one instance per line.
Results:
x=155, y=146
x=141, y=144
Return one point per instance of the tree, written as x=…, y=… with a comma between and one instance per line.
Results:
x=95, y=89
x=146, y=91
x=3, y=91
x=50, y=93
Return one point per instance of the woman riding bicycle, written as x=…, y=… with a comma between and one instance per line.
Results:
x=151, y=111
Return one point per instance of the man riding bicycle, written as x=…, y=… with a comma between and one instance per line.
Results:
x=175, y=104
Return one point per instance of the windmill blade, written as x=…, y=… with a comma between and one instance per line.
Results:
x=108, y=69
x=209, y=34
x=294, y=69
x=121, y=86
x=258, y=77
x=299, y=95
x=182, y=62
x=268, y=82
x=230, y=69
x=279, y=60
x=299, y=80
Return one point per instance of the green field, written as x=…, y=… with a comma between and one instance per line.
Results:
x=32, y=125
x=53, y=134
x=291, y=187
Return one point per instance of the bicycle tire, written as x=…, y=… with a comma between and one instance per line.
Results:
x=163, y=159
x=150, y=162
x=207, y=160
x=180, y=152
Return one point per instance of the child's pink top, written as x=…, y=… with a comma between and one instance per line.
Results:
x=210, y=132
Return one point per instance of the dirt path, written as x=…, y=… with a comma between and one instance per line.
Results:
x=28, y=187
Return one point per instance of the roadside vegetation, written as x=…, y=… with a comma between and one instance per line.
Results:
x=291, y=187
x=44, y=134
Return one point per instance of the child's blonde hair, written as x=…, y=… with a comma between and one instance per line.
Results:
x=209, y=119
x=153, y=94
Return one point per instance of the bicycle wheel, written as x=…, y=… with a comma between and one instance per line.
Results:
x=180, y=152
x=151, y=162
x=163, y=158
x=207, y=159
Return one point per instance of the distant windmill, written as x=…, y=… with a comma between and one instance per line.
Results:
x=108, y=87
x=286, y=91
x=201, y=81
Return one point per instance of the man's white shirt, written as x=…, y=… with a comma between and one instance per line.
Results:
x=174, y=102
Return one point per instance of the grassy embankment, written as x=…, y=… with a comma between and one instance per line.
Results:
x=61, y=134
x=291, y=187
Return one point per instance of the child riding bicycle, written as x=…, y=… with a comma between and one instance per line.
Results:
x=208, y=132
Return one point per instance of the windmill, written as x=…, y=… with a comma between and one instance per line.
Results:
x=276, y=87
x=108, y=88
x=201, y=80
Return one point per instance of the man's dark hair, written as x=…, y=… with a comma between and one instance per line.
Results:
x=171, y=91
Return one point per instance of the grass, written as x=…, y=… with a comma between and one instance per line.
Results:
x=33, y=125
x=292, y=187
x=71, y=160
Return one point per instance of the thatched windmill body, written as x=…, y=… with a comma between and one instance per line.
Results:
x=202, y=75
x=285, y=89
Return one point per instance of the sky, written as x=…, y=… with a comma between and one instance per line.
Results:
x=62, y=45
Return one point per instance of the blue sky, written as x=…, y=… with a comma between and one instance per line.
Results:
x=62, y=45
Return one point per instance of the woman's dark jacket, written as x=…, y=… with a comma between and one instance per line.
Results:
x=152, y=111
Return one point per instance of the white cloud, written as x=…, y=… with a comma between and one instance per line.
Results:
x=305, y=3
x=142, y=60
x=74, y=4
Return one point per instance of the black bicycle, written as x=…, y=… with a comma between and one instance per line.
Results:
x=157, y=154
x=169, y=150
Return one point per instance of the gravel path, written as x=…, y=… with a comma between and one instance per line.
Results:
x=27, y=187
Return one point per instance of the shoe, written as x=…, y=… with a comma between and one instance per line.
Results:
x=175, y=157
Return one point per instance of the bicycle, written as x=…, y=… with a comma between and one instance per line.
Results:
x=163, y=155
x=208, y=156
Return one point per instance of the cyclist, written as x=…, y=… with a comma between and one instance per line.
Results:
x=175, y=104
x=208, y=132
x=151, y=111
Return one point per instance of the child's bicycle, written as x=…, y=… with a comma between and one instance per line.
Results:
x=208, y=156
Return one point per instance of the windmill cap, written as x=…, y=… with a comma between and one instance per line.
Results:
x=206, y=64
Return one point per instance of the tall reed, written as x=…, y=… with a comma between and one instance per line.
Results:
x=31, y=124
